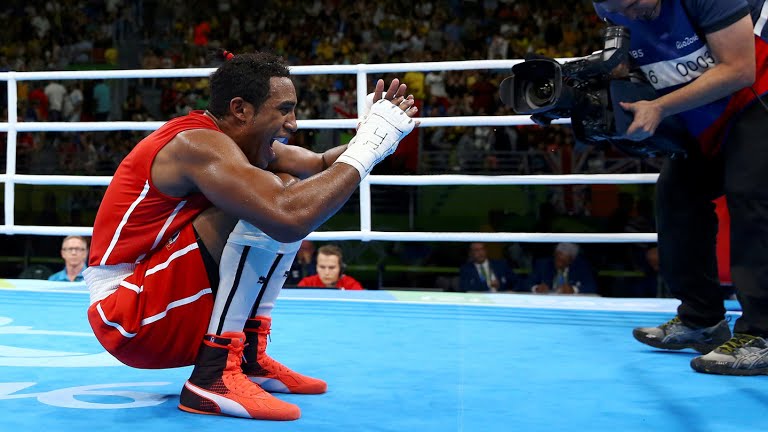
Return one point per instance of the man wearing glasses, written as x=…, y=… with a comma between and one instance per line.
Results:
x=74, y=251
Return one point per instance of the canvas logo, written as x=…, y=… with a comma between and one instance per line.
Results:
x=36, y=357
x=68, y=397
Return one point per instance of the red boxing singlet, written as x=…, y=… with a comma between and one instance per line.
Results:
x=134, y=217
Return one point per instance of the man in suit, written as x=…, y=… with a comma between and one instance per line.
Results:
x=563, y=273
x=483, y=274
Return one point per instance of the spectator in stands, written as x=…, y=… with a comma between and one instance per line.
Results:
x=133, y=106
x=39, y=102
x=102, y=99
x=304, y=265
x=563, y=273
x=483, y=274
x=330, y=271
x=74, y=251
x=55, y=92
x=73, y=102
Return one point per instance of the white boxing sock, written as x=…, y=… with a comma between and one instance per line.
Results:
x=252, y=272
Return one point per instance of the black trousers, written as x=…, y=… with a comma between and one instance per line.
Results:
x=687, y=226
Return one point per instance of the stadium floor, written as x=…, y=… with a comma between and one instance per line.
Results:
x=394, y=361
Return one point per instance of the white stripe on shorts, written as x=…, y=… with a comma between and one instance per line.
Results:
x=175, y=304
x=178, y=254
x=113, y=324
x=133, y=287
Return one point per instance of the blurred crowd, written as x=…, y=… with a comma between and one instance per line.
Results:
x=133, y=34
x=170, y=34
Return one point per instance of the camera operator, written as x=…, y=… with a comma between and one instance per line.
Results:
x=708, y=59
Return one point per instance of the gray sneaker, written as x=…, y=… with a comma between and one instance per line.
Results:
x=742, y=355
x=674, y=335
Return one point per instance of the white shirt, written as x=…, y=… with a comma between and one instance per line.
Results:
x=484, y=269
x=55, y=93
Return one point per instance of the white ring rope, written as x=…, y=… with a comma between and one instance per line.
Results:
x=506, y=180
x=393, y=180
x=12, y=126
x=488, y=237
x=511, y=120
x=295, y=70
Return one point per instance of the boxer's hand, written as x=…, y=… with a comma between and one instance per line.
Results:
x=379, y=134
x=395, y=93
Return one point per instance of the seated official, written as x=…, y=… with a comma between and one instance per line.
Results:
x=74, y=252
x=330, y=271
x=483, y=274
x=564, y=273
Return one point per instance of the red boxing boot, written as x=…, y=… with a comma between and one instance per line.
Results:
x=271, y=375
x=218, y=386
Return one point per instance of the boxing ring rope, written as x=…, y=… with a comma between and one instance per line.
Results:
x=13, y=126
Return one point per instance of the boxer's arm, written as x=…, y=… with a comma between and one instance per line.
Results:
x=303, y=163
x=300, y=162
x=211, y=163
x=287, y=178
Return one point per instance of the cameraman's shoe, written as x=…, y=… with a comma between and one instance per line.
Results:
x=265, y=371
x=218, y=386
x=742, y=355
x=674, y=335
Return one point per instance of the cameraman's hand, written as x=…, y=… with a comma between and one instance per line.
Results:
x=646, y=118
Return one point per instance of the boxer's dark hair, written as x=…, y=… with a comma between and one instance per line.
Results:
x=246, y=76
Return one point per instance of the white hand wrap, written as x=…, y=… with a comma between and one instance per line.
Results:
x=377, y=137
x=368, y=104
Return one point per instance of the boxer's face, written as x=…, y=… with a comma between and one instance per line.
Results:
x=274, y=120
x=633, y=9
